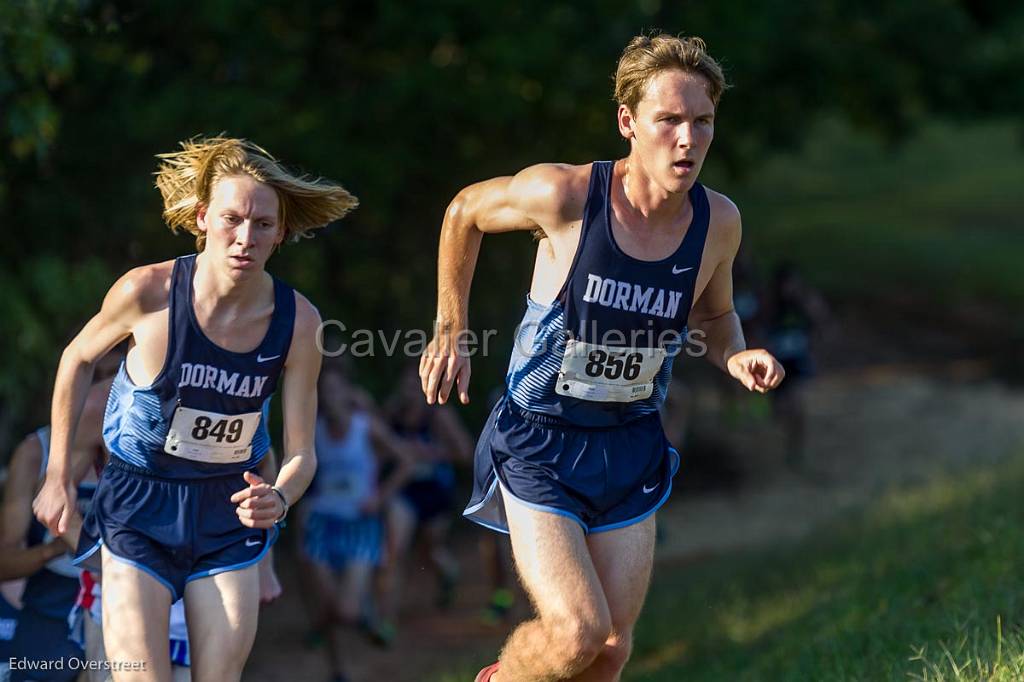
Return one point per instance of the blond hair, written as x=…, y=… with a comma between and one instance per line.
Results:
x=646, y=56
x=186, y=178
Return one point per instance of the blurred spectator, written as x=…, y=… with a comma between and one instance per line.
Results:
x=796, y=312
x=340, y=518
x=28, y=551
x=436, y=438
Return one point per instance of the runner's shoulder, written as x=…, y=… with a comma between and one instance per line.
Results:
x=555, y=190
x=27, y=459
x=725, y=217
x=307, y=317
x=144, y=289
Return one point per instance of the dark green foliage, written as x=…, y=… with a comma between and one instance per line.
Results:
x=404, y=103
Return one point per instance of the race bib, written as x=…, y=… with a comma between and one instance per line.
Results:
x=211, y=437
x=608, y=374
x=342, y=485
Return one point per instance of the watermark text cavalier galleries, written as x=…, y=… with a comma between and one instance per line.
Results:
x=334, y=338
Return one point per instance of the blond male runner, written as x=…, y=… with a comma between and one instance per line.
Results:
x=179, y=511
x=634, y=255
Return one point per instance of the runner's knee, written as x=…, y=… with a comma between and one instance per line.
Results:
x=617, y=649
x=580, y=639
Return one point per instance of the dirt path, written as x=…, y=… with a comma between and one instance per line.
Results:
x=868, y=431
x=867, y=434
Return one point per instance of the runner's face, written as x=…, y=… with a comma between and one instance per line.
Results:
x=672, y=128
x=241, y=223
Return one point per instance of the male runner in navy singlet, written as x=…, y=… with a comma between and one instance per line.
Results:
x=178, y=511
x=634, y=258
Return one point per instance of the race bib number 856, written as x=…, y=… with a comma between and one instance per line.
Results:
x=211, y=437
x=608, y=373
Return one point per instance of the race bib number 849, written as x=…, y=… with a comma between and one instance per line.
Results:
x=211, y=437
x=608, y=373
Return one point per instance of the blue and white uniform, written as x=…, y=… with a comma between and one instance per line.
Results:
x=336, y=530
x=578, y=432
x=180, y=445
x=50, y=592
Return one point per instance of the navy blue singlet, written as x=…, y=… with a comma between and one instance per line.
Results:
x=216, y=387
x=612, y=299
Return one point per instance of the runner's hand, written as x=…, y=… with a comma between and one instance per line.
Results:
x=270, y=586
x=756, y=369
x=54, y=505
x=258, y=505
x=443, y=365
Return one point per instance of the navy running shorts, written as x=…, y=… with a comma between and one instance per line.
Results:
x=176, y=530
x=335, y=541
x=601, y=478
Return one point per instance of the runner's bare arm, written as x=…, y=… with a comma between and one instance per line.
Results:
x=542, y=196
x=135, y=294
x=258, y=505
x=301, y=371
x=714, y=316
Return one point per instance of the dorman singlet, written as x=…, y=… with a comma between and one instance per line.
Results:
x=601, y=353
x=205, y=413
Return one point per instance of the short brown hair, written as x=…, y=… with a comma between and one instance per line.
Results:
x=186, y=179
x=646, y=56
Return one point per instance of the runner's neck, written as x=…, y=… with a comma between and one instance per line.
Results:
x=651, y=205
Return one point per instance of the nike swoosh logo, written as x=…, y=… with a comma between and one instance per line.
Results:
x=260, y=358
x=651, y=489
x=679, y=272
x=252, y=542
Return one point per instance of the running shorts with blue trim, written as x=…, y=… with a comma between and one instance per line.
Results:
x=176, y=530
x=336, y=541
x=602, y=478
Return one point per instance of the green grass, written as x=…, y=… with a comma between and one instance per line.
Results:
x=927, y=585
x=939, y=217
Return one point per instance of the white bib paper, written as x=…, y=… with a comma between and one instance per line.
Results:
x=608, y=374
x=211, y=437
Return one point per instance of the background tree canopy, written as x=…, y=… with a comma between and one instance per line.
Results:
x=404, y=103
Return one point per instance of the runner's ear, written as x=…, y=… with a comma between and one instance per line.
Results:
x=201, y=217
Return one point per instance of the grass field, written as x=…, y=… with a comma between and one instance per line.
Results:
x=926, y=585
x=939, y=217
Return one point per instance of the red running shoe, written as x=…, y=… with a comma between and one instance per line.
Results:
x=485, y=674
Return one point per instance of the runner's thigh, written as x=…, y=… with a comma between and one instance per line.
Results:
x=554, y=565
x=222, y=611
x=136, y=616
x=623, y=558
